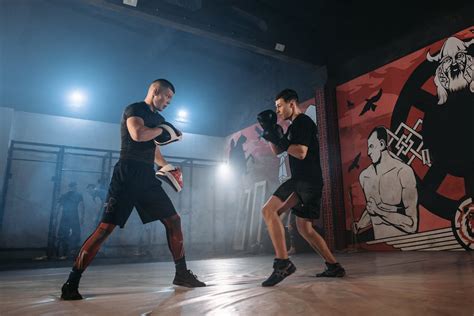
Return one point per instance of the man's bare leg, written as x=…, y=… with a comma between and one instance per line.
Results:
x=316, y=241
x=306, y=230
x=271, y=214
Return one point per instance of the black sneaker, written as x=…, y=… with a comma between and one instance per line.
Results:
x=280, y=271
x=334, y=270
x=70, y=292
x=187, y=279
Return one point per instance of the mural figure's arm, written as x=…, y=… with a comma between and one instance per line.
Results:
x=364, y=221
x=407, y=222
x=251, y=158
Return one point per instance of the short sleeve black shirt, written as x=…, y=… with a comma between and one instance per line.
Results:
x=130, y=149
x=303, y=131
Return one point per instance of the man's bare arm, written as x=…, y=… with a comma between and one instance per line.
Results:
x=139, y=132
x=159, y=159
x=298, y=151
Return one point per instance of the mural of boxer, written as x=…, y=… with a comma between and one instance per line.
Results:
x=390, y=191
x=425, y=101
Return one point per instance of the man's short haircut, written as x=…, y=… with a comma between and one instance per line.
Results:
x=381, y=133
x=287, y=95
x=165, y=84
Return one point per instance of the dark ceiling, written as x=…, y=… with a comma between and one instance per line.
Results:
x=313, y=31
x=220, y=54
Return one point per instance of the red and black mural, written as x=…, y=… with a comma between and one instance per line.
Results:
x=406, y=133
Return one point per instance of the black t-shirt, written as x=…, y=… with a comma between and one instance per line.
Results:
x=70, y=202
x=303, y=131
x=140, y=151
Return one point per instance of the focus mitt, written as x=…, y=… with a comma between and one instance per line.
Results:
x=170, y=134
x=171, y=175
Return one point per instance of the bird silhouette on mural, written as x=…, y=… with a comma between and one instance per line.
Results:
x=370, y=103
x=355, y=163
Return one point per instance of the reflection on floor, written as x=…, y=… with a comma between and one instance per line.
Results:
x=394, y=283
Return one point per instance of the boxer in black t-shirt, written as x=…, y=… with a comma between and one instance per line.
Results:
x=134, y=184
x=302, y=192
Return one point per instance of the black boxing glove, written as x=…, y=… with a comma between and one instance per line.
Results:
x=275, y=135
x=267, y=119
x=272, y=132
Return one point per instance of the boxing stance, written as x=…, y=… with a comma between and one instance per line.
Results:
x=134, y=184
x=302, y=192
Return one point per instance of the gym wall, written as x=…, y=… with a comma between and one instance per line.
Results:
x=89, y=151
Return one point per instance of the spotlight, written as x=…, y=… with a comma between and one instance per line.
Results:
x=77, y=98
x=182, y=116
x=225, y=171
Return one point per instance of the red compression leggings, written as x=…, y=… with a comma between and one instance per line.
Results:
x=92, y=244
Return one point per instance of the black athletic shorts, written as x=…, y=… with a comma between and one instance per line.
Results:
x=134, y=184
x=308, y=193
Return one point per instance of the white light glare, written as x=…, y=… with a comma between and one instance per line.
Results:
x=224, y=170
x=182, y=114
x=77, y=98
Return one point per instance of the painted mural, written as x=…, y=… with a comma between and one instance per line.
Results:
x=407, y=142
